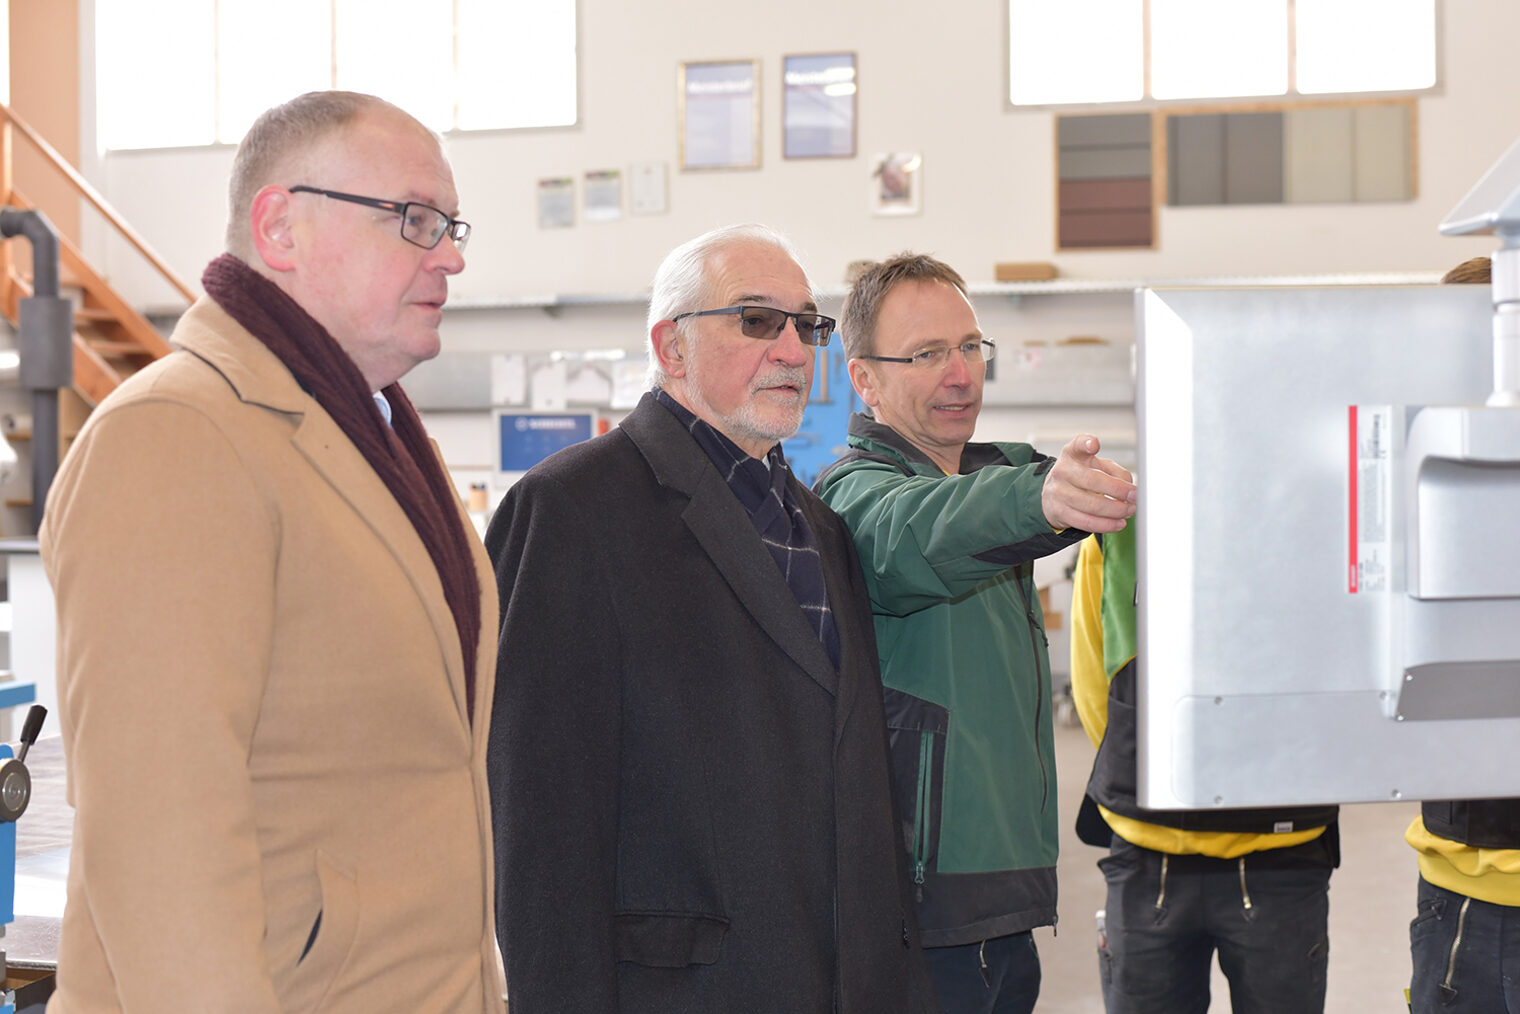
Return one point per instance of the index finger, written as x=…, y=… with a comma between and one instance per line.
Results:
x=1114, y=469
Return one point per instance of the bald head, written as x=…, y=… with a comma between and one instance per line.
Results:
x=288, y=144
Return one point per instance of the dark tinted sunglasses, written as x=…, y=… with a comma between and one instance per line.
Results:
x=767, y=322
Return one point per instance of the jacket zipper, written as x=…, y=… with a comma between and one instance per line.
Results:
x=1041, y=676
x=922, y=810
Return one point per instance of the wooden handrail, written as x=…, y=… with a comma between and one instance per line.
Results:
x=8, y=116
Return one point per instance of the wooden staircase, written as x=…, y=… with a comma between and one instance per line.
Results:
x=111, y=339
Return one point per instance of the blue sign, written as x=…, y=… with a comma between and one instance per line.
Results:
x=526, y=438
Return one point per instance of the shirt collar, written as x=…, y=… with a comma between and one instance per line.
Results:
x=750, y=478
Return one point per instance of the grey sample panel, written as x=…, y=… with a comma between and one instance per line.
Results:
x=1253, y=158
x=1264, y=678
x=1105, y=163
x=1195, y=164
x=1118, y=129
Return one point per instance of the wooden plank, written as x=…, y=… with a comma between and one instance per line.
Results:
x=102, y=294
x=109, y=349
x=1105, y=195
x=8, y=294
x=94, y=378
x=1106, y=229
x=90, y=194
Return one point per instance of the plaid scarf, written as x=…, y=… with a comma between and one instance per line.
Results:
x=399, y=453
x=762, y=488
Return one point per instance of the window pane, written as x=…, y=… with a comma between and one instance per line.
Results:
x=1366, y=45
x=517, y=64
x=1091, y=51
x=402, y=51
x=1208, y=49
x=250, y=82
x=156, y=75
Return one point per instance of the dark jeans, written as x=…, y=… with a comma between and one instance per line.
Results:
x=1000, y=976
x=1466, y=954
x=1267, y=921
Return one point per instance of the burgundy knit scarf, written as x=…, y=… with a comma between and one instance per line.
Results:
x=399, y=453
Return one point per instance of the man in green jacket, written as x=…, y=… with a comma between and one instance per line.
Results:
x=947, y=532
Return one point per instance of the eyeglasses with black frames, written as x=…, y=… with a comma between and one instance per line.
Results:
x=421, y=225
x=980, y=351
x=767, y=322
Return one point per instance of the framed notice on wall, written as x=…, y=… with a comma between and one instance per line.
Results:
x=719, y=107
x=818, y=106
x=896, y=183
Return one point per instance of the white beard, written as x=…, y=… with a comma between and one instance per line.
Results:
x=749, y=422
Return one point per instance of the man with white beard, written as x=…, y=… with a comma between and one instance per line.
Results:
x=688, y=755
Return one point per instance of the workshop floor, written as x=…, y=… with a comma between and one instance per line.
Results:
x=1371, y=895
x=1371, y=903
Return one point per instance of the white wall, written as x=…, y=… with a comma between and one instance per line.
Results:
x=931, y=80
x=988, y=173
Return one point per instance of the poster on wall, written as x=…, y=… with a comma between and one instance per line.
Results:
x=719, y=109
x=646, y=188
x=556, y=203
x=818, y=106
x=896, y=183
x=604, y=195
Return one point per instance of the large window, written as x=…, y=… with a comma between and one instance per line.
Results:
x=196, y=72
x=1126, y=51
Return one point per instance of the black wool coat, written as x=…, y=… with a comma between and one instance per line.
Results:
x=692, y=805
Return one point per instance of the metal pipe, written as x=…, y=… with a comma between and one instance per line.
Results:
x=34, y=225
x=46, y=449
x=45, y=343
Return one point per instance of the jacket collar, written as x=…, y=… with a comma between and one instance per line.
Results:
x=258, y=377
x=865, y=427
x=250, y=369
x=723, y=529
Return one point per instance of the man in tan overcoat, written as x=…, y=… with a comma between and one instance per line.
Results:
x=276, y=630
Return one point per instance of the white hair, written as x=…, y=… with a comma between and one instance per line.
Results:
x=681, y=285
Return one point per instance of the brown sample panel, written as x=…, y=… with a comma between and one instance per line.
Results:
x=1104, y=193
x=1110, y=228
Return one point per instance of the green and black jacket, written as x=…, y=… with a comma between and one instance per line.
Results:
x=948, y=562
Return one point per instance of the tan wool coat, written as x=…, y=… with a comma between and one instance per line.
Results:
x=280, y=800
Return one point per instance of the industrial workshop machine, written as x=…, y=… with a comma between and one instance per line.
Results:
x=15, y=794
x=1329, y=573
